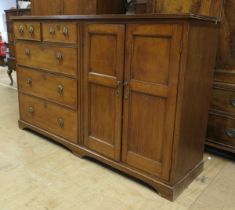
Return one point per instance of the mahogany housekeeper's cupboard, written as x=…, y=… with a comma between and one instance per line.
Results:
x=130, y=91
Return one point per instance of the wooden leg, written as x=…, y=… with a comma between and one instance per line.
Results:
x=9, y=72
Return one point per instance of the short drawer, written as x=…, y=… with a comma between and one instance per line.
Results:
x=50, y=117
x=48, y=57
x=223, y=100
x=27, y=30
x=58, y=89
x=221, y=129
x=60, y=32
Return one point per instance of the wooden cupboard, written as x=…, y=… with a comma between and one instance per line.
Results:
x=142, y=96
x=76, y=7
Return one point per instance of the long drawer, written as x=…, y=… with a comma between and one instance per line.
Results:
x=50, y=117
x=223, y=100
x=49, y=57
x=58, y=89
x=221, y=129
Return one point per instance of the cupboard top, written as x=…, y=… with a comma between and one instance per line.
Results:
x=121, y=17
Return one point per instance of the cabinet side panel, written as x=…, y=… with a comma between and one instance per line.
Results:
x=195, y=89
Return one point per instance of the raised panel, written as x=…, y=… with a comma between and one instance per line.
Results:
x=103, y=77
x=146, y=129
x=102, y=116
x=149, y=63
x=103, y=54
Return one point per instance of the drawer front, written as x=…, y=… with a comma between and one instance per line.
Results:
x=48, y=86
x=27, y=30
x=221, y=130
x=50, y=117
x=51, y=58
x=60, y=32
x=223, y=100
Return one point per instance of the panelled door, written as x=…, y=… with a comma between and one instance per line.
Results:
x=103, y=88
x=151, y=78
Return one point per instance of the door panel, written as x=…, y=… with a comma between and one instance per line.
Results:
x=103, y=77
x=151, y=79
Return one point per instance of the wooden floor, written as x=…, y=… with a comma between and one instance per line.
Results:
x=36, y=174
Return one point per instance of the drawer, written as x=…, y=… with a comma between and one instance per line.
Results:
x=60, y=32
x=52, y=58
x=221, y=129
x=50, y=117
x=27, y=30
x=58, y=89
x=223, y=100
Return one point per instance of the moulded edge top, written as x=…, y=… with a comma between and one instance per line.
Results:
x=121, y=17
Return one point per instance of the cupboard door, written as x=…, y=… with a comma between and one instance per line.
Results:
x=103, y=76
x=151, y=79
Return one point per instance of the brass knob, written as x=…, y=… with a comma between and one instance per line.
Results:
x=65, y=31
x=59, y=56
x=60, y=122
x=51, y=30
x=21, y=29
x=31, y=110
x=27, y=51
x=230, y=132
x=60, y=89
x=232, y=102
x=29, y=81
x=31, y=29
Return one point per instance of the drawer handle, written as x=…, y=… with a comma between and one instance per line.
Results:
x=230, y=132
x=60, y=89
x=27, y=51
x=29, y=81
x=59, y=56
x=31, y=30
x=60, y=121
x=31, y=110
x=21, y=29
x=51, y=30
x=65, y=31
x=232, y=102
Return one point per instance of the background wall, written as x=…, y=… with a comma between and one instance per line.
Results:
x=5, y=4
